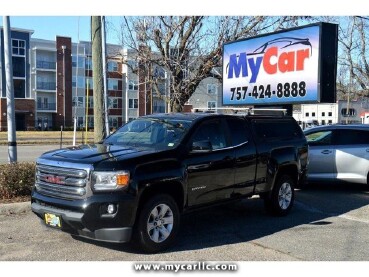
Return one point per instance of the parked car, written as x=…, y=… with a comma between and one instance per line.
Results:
x=338, y=153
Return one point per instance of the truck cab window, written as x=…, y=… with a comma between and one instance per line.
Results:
x=238, y=130
x=212, y=132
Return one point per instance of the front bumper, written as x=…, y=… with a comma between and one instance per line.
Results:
x=85, y=218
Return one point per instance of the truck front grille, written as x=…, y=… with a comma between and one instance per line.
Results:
x=60, y=182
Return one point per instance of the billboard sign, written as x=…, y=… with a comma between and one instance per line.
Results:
x=278, y=68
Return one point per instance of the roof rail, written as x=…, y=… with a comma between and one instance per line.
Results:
x=247, y=111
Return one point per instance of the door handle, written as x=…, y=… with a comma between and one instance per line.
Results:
x=326, y=151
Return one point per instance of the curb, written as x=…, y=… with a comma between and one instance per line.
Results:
x=15, y=208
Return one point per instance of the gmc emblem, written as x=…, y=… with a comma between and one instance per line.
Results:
x=54, y=179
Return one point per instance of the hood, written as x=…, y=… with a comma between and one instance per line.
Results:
x=92, y=154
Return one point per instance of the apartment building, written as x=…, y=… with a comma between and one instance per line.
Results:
x=24, y=96
x=208, y=95
x=53, y=84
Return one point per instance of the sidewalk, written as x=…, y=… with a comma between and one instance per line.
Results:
x=15, y=208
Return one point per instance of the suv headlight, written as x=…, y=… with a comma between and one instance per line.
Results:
x=109, y=180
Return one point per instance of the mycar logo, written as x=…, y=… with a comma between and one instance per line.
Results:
x=274, y=56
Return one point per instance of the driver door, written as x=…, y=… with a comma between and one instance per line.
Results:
x=211, y=172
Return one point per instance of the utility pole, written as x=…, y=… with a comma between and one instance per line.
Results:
x=12, y=140
x=63, y=48
x=126, y=92
x=97, y=69
x=103, y=42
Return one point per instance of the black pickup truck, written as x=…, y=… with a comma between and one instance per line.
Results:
x=140, y=180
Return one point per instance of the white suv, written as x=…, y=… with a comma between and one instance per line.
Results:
x=338, y=153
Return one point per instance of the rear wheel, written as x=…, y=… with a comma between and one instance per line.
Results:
x=281, y=200
x=158, y=223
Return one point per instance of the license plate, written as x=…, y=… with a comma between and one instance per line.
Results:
x=53, y=220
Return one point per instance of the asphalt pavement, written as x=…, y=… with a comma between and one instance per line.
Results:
x=327, y=223
x=27, y=153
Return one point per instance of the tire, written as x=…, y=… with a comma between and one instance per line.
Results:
x=281, y=200
x=158, y=224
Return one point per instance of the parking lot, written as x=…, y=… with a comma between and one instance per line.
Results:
x=328, y=223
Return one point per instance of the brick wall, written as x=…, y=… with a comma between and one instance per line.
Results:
x=64, y=96
x=22, y=106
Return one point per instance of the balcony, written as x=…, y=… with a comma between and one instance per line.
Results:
x=46, y=86
x=45, y=65
x=46, y=106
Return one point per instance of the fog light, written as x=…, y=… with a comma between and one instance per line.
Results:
x=111, y=209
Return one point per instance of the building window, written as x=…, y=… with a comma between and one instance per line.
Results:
x=350, y=113
x=80, y=122
x=330, y=121
x=330, y=114
x=18, y=47
x=307, y=114
x=78, y=101
x=88, y=63
x=19, y=88
x=89, y=83
x=113, y=122
x=158, y=106
x=212, y=89
x=132, y=85
x=132, y=64
x=90, y=102
x=45, y=83
x=212, y=105
x=312, y=114
x=19, y=67
x=80, y=81
x=81, y=61
x=90, y=121
x=113, y=103
x=112, y=84
x=112, y=66
x=133, y=103
x=159, y=73
x=323, y=113
x=43, y=123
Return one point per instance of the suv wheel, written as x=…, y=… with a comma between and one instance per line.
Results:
x=281, y=200
x=158, y=223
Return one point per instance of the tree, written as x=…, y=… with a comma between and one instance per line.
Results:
x=189, y=47
x=353, y=72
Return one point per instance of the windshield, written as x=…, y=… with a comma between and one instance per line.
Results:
x=150, y=132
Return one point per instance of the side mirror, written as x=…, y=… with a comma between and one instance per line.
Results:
x=201, y=146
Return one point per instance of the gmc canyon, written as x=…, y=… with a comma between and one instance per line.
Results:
x=138, y=182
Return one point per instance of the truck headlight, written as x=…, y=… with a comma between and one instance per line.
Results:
x=109, y=180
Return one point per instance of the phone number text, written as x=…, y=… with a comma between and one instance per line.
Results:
x=283, y=90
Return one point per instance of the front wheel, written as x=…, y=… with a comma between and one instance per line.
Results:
x=158, y=223
x=281, y=200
